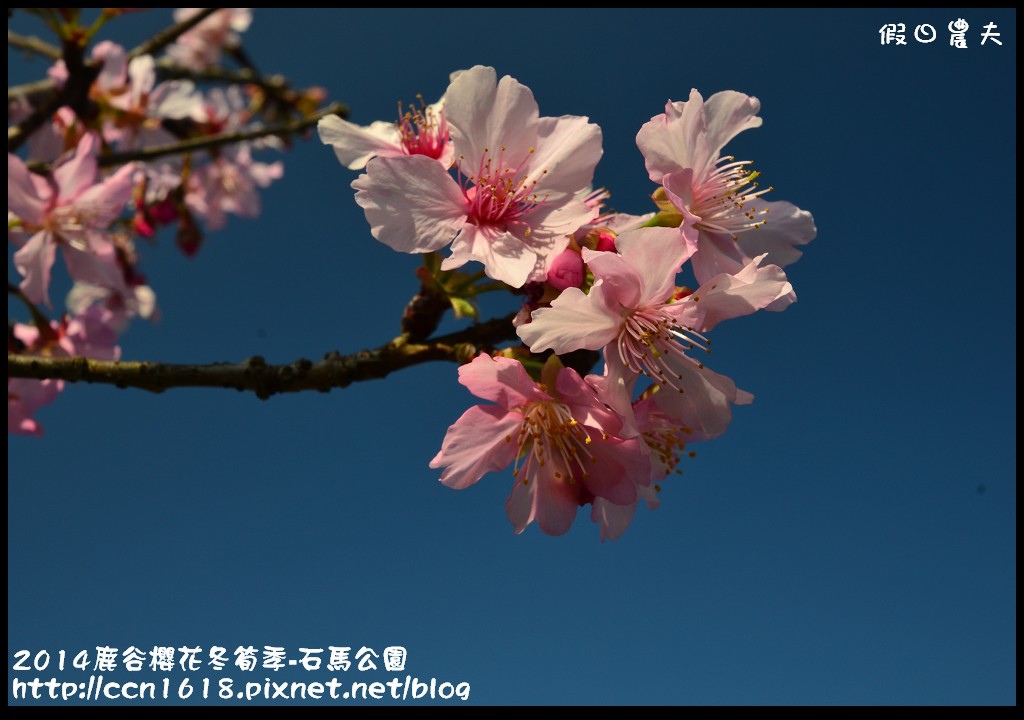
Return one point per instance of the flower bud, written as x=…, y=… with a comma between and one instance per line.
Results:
x=566, y=270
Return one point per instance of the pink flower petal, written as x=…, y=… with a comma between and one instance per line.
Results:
x=96, y=265
x=505, y=257
x=568, y=149
x=706, y=401
x=79, y=172
x=24, y=397
x=103, y=202
x=481, y=441
x=786, y=226
x=574, y=321
x=501, y=380
x=23, y=198
x=355, y=145
x=675, y=139
x=617, y=467
x=486, y=115
x=612, y=519
x=727, y=114
x=521, y=505
x=551, y=223
x=585, y=403
x=755, y=287
x=656, y=255
x=555, y=503
x=34, y=261
x=556, y=508
x=620, y=282
x=717, y=254
x=411, y=203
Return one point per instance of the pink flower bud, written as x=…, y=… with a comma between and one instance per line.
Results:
x=566, y=271
x=189, y=236
x=605, y=242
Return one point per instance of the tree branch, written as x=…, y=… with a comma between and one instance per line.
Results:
x=168, y=35
x=210, y=141
x=34, y=92
x=255, y=375
x=166, y=69
x=30, y=43
x=243, y=76
x=74, y=94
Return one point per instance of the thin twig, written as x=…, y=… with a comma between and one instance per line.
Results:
x=212, y=141
x=166, y=69
x=255, y=375
x=168, y=35
x=30, y=43
x=207, y=142
x=33, y=91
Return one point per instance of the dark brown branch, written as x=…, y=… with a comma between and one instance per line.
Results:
x=255, y=375
x=30, y=43
x=168, y=35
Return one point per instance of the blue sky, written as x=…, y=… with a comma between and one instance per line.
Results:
x=851, y=539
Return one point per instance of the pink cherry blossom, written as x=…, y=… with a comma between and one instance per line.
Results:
x=666, y=438
x=566, y=270
x=71, y=210
x=140, y=302
x=565, y=444
x=89, y=333
x=24, y=397
x=682, y=149
x=141, y=105
x=112, y=72
x=418, y=131
x=230, y=185
x=200, y=48
x=629, y=313
x=517, y=196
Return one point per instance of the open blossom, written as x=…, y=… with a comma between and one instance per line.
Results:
x=71, y=210
x=682, y=150
x=119, y=309
x=200, y=48
x=418, y=131
x=141, y=105
x=230, y=184
x=666, y=438
x=113, y=62
x=24, y=397
x=566, y=446
x=630, y=314
x=92, y=332
x=516, y=195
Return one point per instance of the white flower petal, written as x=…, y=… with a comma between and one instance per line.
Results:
x=411, y=203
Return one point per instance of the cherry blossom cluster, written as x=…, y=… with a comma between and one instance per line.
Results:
x=85, y=185
x=482, y=173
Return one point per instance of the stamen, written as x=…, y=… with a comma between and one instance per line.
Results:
x=550, y=424
x=722, y=198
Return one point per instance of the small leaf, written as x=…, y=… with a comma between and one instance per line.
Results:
x=464, y=308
